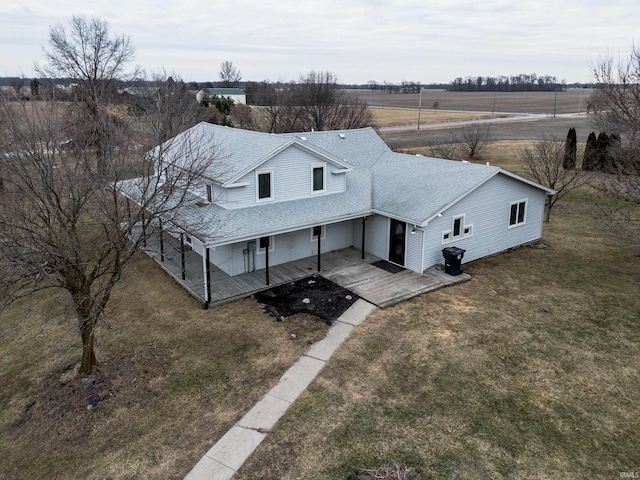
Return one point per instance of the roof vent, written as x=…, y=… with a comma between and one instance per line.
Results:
x=466, y=161
x=341, y=135
x=303, y=138
x=488, y=164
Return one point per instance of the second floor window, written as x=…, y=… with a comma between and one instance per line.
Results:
x=318, y=179
x=264, y=186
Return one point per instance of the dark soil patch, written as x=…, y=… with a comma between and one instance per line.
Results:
x=67, y=405
x=313, y=295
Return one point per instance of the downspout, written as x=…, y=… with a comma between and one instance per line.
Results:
x=266, y=259
x=319, y=246
x=423, y=234
x=364, y=225
x=208, y=280
x=184, y=270
x=161, y=241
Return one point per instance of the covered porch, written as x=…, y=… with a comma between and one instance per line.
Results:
x=346, y=267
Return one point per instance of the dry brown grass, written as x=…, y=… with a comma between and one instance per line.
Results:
x=570, y=101
x=529, y=370
x=392, y=117
x=173, y=379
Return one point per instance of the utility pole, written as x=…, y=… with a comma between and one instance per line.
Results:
x=419, y=108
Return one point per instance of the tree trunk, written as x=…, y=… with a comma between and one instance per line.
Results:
x=547, y=212
x=85, y=311
x=89, y=360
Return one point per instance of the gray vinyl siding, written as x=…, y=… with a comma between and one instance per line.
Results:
x=377, y=236
x=413, y=250
x=286, y=248
x=357, y=233
x=221, y=258
x=487, y=209
x=291, y=170
x=220, y=195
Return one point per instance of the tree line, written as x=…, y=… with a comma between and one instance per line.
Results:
x=513, y=83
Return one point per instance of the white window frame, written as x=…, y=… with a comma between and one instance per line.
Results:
x=272, y=244
x=524, y=201
x=466, y=229
x=271, y=186
x=313, y=166
x=323, y=233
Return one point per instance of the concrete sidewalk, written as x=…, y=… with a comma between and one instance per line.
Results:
x=224, y=459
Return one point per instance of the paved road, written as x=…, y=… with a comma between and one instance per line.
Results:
x=521, y=127
x=447, y=125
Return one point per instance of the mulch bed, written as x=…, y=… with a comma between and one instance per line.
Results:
x=313, y=295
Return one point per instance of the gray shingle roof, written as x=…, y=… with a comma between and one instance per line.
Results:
x=408, y=187
x=417, y=188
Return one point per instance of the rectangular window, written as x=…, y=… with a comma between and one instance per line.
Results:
x=457, y=226
x=517, y=213
x=209, y=194
x=317, y=178
x=264, y=243
x=459, y=229
x=319, y=230
x=265, y=185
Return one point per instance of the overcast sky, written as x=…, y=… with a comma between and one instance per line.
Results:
x=430, y=41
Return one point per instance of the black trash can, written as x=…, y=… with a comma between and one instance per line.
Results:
x=453, y=260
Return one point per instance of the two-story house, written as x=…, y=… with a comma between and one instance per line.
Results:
x=268, y=199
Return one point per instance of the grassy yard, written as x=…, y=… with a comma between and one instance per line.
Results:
x=173, y=379
x=392, y=117
x=529, y=370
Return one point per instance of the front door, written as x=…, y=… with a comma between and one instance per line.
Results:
x=397, y=233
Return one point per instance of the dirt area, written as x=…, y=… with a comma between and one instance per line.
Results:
x=64, y=402
x=313, y=295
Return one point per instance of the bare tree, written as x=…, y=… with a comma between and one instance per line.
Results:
x=230, y=76
x=618, y=93
x=62, y=227
x=322, y=105
x=474, y=138
x=171, y=109
x=618, y=88
x=17, y=84
x=448, y=149
x=63, y=221
x=543, y=161
x=88, y=54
